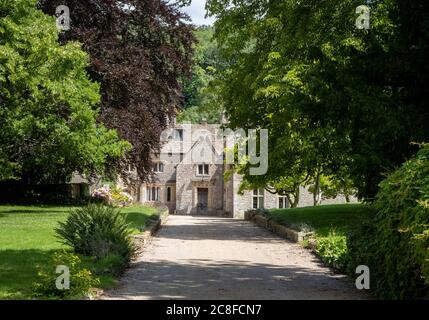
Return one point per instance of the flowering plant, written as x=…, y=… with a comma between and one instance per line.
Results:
x=115, y=196
x=102, y=194
x=120, y=197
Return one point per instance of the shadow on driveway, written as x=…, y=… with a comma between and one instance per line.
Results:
x=225, y=258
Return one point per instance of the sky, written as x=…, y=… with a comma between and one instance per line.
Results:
x=197, y=12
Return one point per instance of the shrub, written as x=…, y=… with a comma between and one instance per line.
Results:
x=112, y=264
x=81, y=280
x=395, y=244
x=112, y=196
x=333, y=250
x=120, y=198
x=98, y=231
x=101, y=195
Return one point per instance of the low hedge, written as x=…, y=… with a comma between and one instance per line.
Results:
x=17, y=192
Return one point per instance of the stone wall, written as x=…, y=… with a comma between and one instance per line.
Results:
x=306, y=199
x=169, y=174
x=240, y=203
x=271, y=200
x=181, y=159
x=187, y=185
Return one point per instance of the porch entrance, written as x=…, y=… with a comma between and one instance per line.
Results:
x=202, y=200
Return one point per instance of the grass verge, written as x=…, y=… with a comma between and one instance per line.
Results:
x=27, y=239
x=330, y=223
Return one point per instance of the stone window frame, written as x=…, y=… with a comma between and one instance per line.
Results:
x=158, y=167
x=153, y=193
x=285, y=202
x=258, y=195
x=204, y=172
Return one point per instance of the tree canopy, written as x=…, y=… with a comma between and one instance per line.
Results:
x=335, y=98
x=200, y=91
x=139, y=50
x=48, y=105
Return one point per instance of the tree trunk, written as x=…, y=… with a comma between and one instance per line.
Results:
x=289, y=200
x=316, y=193
x=295, y=202
x=347, y=198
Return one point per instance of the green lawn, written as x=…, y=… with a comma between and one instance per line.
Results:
x=330, y=224
x=27, y=239
x=324, y=218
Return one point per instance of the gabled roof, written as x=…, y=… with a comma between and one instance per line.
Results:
x=202, y=151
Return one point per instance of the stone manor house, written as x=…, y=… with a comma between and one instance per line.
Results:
x=188, y=177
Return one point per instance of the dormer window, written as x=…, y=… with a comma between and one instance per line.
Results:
x=203, y=170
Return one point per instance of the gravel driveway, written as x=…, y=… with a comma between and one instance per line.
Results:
x=223, y=258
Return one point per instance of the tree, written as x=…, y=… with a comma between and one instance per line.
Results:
x=394, y=242
x=48, y=105
x=139, y=50
x=333, y=186
x=362, y=91
x=200, y=91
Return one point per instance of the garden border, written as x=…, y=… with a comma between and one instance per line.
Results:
x=142, y=239
x=257, y=217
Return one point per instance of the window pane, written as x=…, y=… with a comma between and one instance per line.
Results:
x=147, y=193
x=168, y=194
x=280, y=202
x=161, y=167
x=153, y=193
x=206, y=169
x=261, y=202
x=255, y=192
x=178, y=134
x=255, y=202
x=200, y=169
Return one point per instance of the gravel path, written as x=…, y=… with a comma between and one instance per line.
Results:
x=223, y=258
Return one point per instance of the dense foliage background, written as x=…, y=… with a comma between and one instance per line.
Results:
x=139, y=50
x=336, y=99
x=48, y=104
x=395, y=243
x=201, y=98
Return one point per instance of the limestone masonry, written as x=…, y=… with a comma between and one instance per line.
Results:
x=189, y=177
